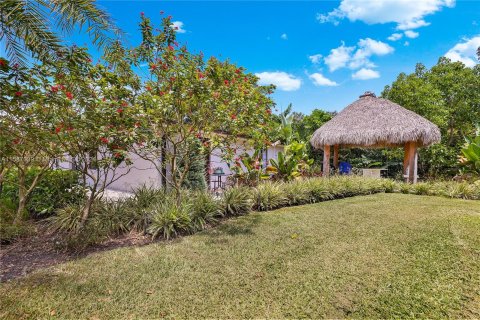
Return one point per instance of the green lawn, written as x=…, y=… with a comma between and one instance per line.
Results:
x=385, y=255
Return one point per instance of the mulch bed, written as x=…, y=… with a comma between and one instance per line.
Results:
x=41, y=250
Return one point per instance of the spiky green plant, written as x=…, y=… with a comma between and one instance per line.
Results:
x=297, y=193
x=421, y=188
x=67, y=219
x=145, y=196
x=237, y=201
x=170, y=218
x=268, y=196
x=205, y=210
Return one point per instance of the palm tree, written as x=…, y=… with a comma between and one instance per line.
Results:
x=286, y=128
x=29, y=27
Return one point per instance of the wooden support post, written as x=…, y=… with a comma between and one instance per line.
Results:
x=412, y=162
x=326, y=161
x=405, y=160
x=335, y=156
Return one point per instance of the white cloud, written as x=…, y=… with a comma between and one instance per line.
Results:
x=365, y=74
x=319, y=80
x=412, y=25
x=411, y=34
x=284, y=36
x=178, y=26
x=395, y=36
x=367, y=48
x=406, y=43
x=465, y=52
x=282, y=80
x=358, y=57
x=407, y=14
x=338, y=57
x=316, y=58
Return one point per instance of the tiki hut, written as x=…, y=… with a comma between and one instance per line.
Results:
x=372, y=122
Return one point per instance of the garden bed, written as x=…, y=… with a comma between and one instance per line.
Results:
x=40, y=250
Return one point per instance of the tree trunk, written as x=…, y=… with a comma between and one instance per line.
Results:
x=22, y=197
x=86, y=210
x=2, y=175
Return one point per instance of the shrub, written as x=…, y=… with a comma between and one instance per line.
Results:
x=67, y=219
x=205, y=210
x=110, y=217
x=145, y=196
x=421, y=188
x=55, y=189
x=268, y=196
x=170, y=218
x=9, y=231
x=319, y=190
x=107, y=218
x=297, y=193
x=463, y=190
x=237, y=201
x=389, y=186
x=405, y=188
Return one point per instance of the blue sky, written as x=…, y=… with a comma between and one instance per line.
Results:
x=291, y=43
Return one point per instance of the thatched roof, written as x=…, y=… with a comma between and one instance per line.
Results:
x=375, y=122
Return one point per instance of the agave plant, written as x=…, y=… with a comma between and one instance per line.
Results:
x=470, y=158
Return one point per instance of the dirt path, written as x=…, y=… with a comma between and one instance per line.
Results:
x=41, y=251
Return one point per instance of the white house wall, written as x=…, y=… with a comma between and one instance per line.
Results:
x=143, y=172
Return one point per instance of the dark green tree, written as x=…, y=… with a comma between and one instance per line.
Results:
x=195, y=178
x=448, y=95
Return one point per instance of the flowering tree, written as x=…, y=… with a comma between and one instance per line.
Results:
x=25, y=136
x=71, y=111
x=187, y=100
x=94, y=123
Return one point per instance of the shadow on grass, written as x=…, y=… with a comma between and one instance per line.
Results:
x=235, y=227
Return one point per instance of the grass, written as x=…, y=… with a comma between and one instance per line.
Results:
x=383, y=255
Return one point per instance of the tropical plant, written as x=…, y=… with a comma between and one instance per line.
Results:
x=248, y=169
x=470, y=158
x=30, y=27
x=297, y=192
x=285, y=127
x=26, y=138
x=145, y=196
x=71, y=111
x=291, y=164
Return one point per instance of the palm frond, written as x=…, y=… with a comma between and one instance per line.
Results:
x=72, y=13
x=27, y=26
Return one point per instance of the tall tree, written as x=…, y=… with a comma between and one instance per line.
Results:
x=29, y=27
x=448, y=95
